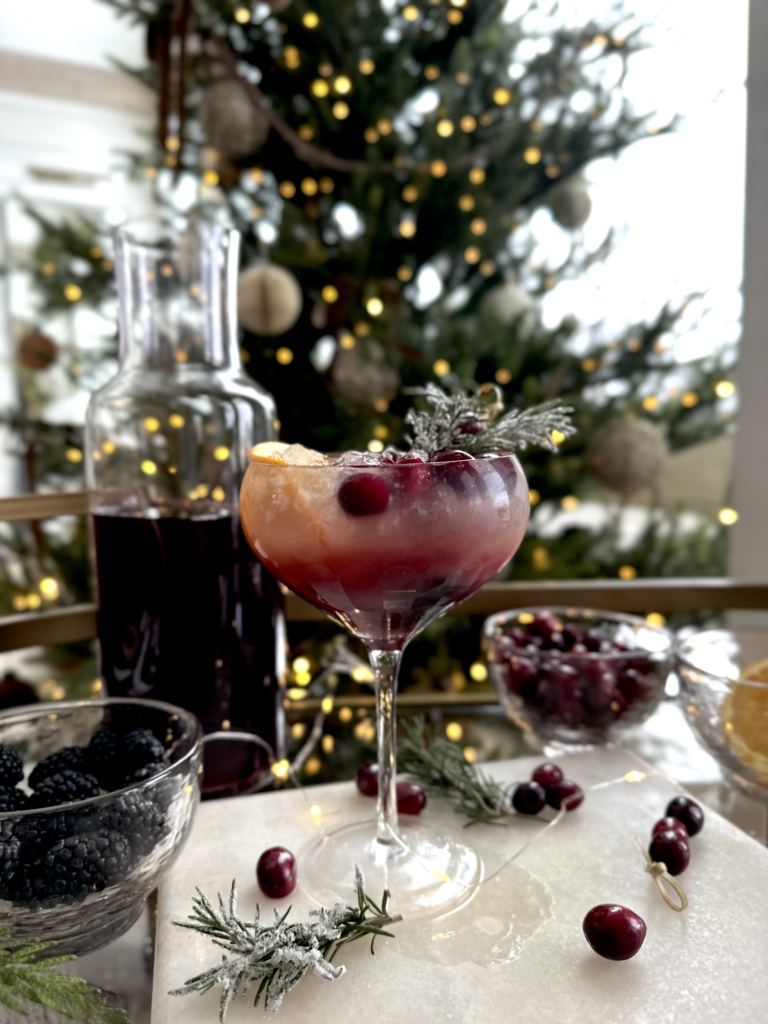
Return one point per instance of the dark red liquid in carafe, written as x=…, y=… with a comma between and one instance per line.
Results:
x=188, y=615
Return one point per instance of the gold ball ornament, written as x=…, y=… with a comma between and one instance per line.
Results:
x=232, y=124
x=36, y=351
x=628, y=455
x=571, y=204
x=269, y=299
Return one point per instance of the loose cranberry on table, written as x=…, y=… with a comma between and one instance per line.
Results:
x=670, y=825
x=613, y=931
x=411, y=798
x=364, y=494
x=529, y=798
x=672, y=850
x=276, y=872
x=687, y=811
x=565, y=794
x=368, y=779
x=547, y=774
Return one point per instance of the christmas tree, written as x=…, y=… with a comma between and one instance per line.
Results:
x=384, y=163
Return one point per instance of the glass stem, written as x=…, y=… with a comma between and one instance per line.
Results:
x=386, y=665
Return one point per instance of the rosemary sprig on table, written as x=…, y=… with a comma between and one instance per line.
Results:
x=453, y=411
x=441, y=768
x=279, y=955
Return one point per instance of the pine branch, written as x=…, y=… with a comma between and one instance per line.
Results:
x=520, y=429
x=279, y=955
x=442, y=427
x=25, y=979
x=441, y=768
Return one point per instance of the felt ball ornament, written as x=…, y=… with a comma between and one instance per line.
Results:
x=508, y=304
x=232, y=124
x=628, y=455
x=570, y=203
x=269, y=299
x=36, y=351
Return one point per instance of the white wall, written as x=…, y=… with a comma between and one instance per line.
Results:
x=65, y=112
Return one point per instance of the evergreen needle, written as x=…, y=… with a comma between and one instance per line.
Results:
x=277, y=956
x=444, y=426
x=26, y=979
x=441, y=768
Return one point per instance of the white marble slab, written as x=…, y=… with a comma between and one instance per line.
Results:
x=516, y=953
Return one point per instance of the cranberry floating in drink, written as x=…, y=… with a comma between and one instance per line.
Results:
x=577, y=676
x=385, y=544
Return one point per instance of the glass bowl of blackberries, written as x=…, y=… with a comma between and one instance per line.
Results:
x=577, y=676
x=96, y=799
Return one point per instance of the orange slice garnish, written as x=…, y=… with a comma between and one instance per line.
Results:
x=278, y=453
x=269, y=452
x=744, y=713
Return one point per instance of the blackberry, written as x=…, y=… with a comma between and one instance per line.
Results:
x=29, y=885
x=64, y=788
x=147, y=772
x=69, y=757
x=139, y=820
x=87, y=863
x=11, y=768
x=10, y=859
x=12, y=799
x=141, y=747
x=102, y=759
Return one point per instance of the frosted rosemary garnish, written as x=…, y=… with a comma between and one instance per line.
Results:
x=441, y=768
x=278, y=956
x=469, y=421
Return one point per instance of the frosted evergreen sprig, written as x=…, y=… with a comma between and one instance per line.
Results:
x=441, y=768
x=278, y=956
x=453, y=410
x=25, y=979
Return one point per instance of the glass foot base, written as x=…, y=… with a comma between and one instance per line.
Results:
x=427, y=874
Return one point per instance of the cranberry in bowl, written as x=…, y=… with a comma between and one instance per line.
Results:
x=577, y=676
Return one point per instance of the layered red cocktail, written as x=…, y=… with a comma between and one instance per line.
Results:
x=384, y=545
x=385, y=548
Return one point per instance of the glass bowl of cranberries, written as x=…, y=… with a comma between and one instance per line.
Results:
x=724, y=696
x=576, y=676
x=96, y=800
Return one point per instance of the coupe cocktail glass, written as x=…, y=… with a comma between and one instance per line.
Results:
x=385, y=549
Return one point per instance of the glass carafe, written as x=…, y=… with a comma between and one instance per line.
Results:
x=186, y=612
